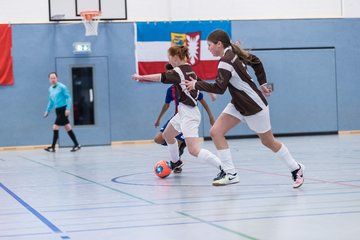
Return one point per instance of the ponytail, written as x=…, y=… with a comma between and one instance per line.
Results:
x=241, y=53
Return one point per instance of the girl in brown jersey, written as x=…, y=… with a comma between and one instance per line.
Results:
x=188, y=117
x=248, y=105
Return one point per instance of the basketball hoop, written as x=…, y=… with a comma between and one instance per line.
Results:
x=91, y=21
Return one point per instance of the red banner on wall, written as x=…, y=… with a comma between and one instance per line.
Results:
x=6, y=66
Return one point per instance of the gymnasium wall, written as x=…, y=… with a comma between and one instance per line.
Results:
x=313, y=63
x=36, y=11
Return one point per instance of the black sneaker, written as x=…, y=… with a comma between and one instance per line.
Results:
x=181, y=148
x=76, y=148
x=220, y=175
x=176, y=167
x=50, y=149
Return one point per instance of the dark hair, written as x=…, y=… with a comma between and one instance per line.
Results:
x=181, y=51
x=52, y=73
x=221, y=36
x=168, y=66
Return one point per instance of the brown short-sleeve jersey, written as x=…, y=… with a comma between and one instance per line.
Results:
x=232, y=74
x=177, y=76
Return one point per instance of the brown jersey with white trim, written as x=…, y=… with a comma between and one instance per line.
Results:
x=177, y=77
x=232, y=74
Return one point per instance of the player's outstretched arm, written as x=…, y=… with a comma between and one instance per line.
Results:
x=147, y=78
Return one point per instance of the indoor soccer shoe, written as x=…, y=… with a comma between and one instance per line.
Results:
x=177, y=167
x=220, y=175
x=76, y=148
x=50, y=149
x=298, y=176
x=224, y=178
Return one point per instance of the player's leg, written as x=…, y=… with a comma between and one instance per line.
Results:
x=260, y=123
x=73, y=138
x=182, y=144
x=190, y=123
x=222, y=125
x=55, y=138
x=282, y=152
x=169, y=135
x=159, y=139
x=204, y=155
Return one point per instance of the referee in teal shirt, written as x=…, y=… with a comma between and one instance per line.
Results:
x=60, y=99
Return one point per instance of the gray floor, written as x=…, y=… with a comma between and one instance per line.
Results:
x=112, y=193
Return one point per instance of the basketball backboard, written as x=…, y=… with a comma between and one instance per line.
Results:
x=69, y=10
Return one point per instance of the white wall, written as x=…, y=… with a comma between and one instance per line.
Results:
x=351, y=8
x=256, y=9
x=34, y=11
x=19, y=11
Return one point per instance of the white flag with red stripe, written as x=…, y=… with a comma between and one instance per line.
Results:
x=154, y=38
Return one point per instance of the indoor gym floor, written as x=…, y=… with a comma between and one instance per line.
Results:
x=112, y=193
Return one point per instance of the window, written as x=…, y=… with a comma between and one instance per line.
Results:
x=83, y=95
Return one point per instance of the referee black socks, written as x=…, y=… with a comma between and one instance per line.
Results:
x=73, y=138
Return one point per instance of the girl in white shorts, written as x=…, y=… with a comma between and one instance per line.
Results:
x=188, y=118
x=248, y=104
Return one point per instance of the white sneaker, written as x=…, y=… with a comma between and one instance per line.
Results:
x=298, y=176
x=224, y=178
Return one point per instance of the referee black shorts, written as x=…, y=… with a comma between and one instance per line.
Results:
x=61, y=119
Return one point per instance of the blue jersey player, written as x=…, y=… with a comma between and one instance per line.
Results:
x=171, y=95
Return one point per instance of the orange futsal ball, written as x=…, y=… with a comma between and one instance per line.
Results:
x=162, y=169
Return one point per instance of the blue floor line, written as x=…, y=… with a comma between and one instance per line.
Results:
x=194, y=221
x=16, y=236
x=53, y=228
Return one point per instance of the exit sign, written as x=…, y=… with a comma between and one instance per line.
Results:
x=81, y=47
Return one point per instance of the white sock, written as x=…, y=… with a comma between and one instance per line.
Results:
x=174, y=151
x=210, y=158
x=226, y=161
x=284, y=155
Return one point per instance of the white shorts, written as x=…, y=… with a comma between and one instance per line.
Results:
x=187, y=120
x=259, y=122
